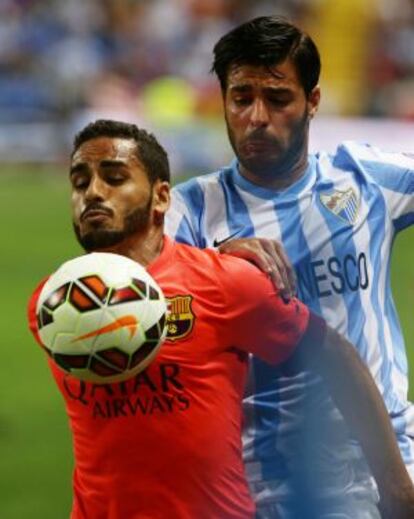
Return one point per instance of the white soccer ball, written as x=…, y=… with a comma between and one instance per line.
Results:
x=101, y=317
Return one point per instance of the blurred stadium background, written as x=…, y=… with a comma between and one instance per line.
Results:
x=64, y=63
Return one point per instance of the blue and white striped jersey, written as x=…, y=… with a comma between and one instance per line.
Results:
x=337, y=224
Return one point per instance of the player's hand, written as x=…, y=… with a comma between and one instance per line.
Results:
x=268, y=256
x=398, y=504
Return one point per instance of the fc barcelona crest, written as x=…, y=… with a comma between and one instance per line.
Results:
x=180, y=318
x=344, y=204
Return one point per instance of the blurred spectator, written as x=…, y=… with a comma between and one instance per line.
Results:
x=392, y=78
x=149, y=61
x=343, y=31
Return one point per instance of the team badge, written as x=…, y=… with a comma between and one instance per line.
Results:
x=180, y=318
x=344, y=204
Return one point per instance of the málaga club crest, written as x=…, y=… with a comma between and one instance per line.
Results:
x=344, y=204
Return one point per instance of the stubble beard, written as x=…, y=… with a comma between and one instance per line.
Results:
x=100, y=238
x=284, y=160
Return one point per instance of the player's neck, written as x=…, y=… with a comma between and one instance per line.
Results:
x=144, y=247
x=279, y=178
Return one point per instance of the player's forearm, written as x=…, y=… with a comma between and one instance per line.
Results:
x=357, y=397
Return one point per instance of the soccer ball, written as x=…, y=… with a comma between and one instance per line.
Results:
x=101, y=317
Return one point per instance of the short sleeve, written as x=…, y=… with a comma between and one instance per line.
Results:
x=257, y=320
x=395, y=177
x=181, y=218
x=393, y=173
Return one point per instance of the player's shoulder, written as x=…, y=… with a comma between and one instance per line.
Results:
x=370, y=158
x=368, y=165
x=199, y=184
x=220, y=268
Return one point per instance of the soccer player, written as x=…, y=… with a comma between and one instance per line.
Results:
x=167, y=443
x=336, y=217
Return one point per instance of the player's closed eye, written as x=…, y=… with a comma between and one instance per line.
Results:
x=115, y=179
x=80, y=182
x=278, y=102
x=242, y=101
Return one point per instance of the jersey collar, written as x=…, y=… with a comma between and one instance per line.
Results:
x=165, y=257
x=293, y=191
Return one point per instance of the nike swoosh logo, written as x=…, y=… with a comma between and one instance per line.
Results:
x=217, y=243
x=128, y=321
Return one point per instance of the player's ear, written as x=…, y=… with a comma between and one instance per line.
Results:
x=313, y=101
x=161, y=192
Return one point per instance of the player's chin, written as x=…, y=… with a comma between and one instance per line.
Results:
x=259, y=164
x=99, y=239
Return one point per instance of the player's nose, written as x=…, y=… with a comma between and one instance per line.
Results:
x=96, y=189
x=259, y=115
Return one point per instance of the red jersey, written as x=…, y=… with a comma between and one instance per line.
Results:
x=167, y=443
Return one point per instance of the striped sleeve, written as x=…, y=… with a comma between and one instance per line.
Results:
x=394, y=175
x=183, y=219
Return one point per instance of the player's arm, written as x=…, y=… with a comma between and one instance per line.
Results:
x=280, y=332
x=357, y=397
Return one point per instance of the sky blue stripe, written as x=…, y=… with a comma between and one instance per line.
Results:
x=396, y=178
x=395, y=325
x=238, y=218
x=184, y=234
x=193, y=195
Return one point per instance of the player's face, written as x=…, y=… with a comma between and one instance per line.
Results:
x=267, y=115
x=111, y=192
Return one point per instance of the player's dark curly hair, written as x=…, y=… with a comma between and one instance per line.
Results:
x=149, y=151
x=268, y=41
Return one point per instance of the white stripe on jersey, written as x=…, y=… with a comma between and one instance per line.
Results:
x=215, y=223
x=262, y=215
x=175, y=214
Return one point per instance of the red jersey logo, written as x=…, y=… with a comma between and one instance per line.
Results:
x=180, y=320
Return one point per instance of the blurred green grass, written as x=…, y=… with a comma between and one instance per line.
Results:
x=36, y=458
